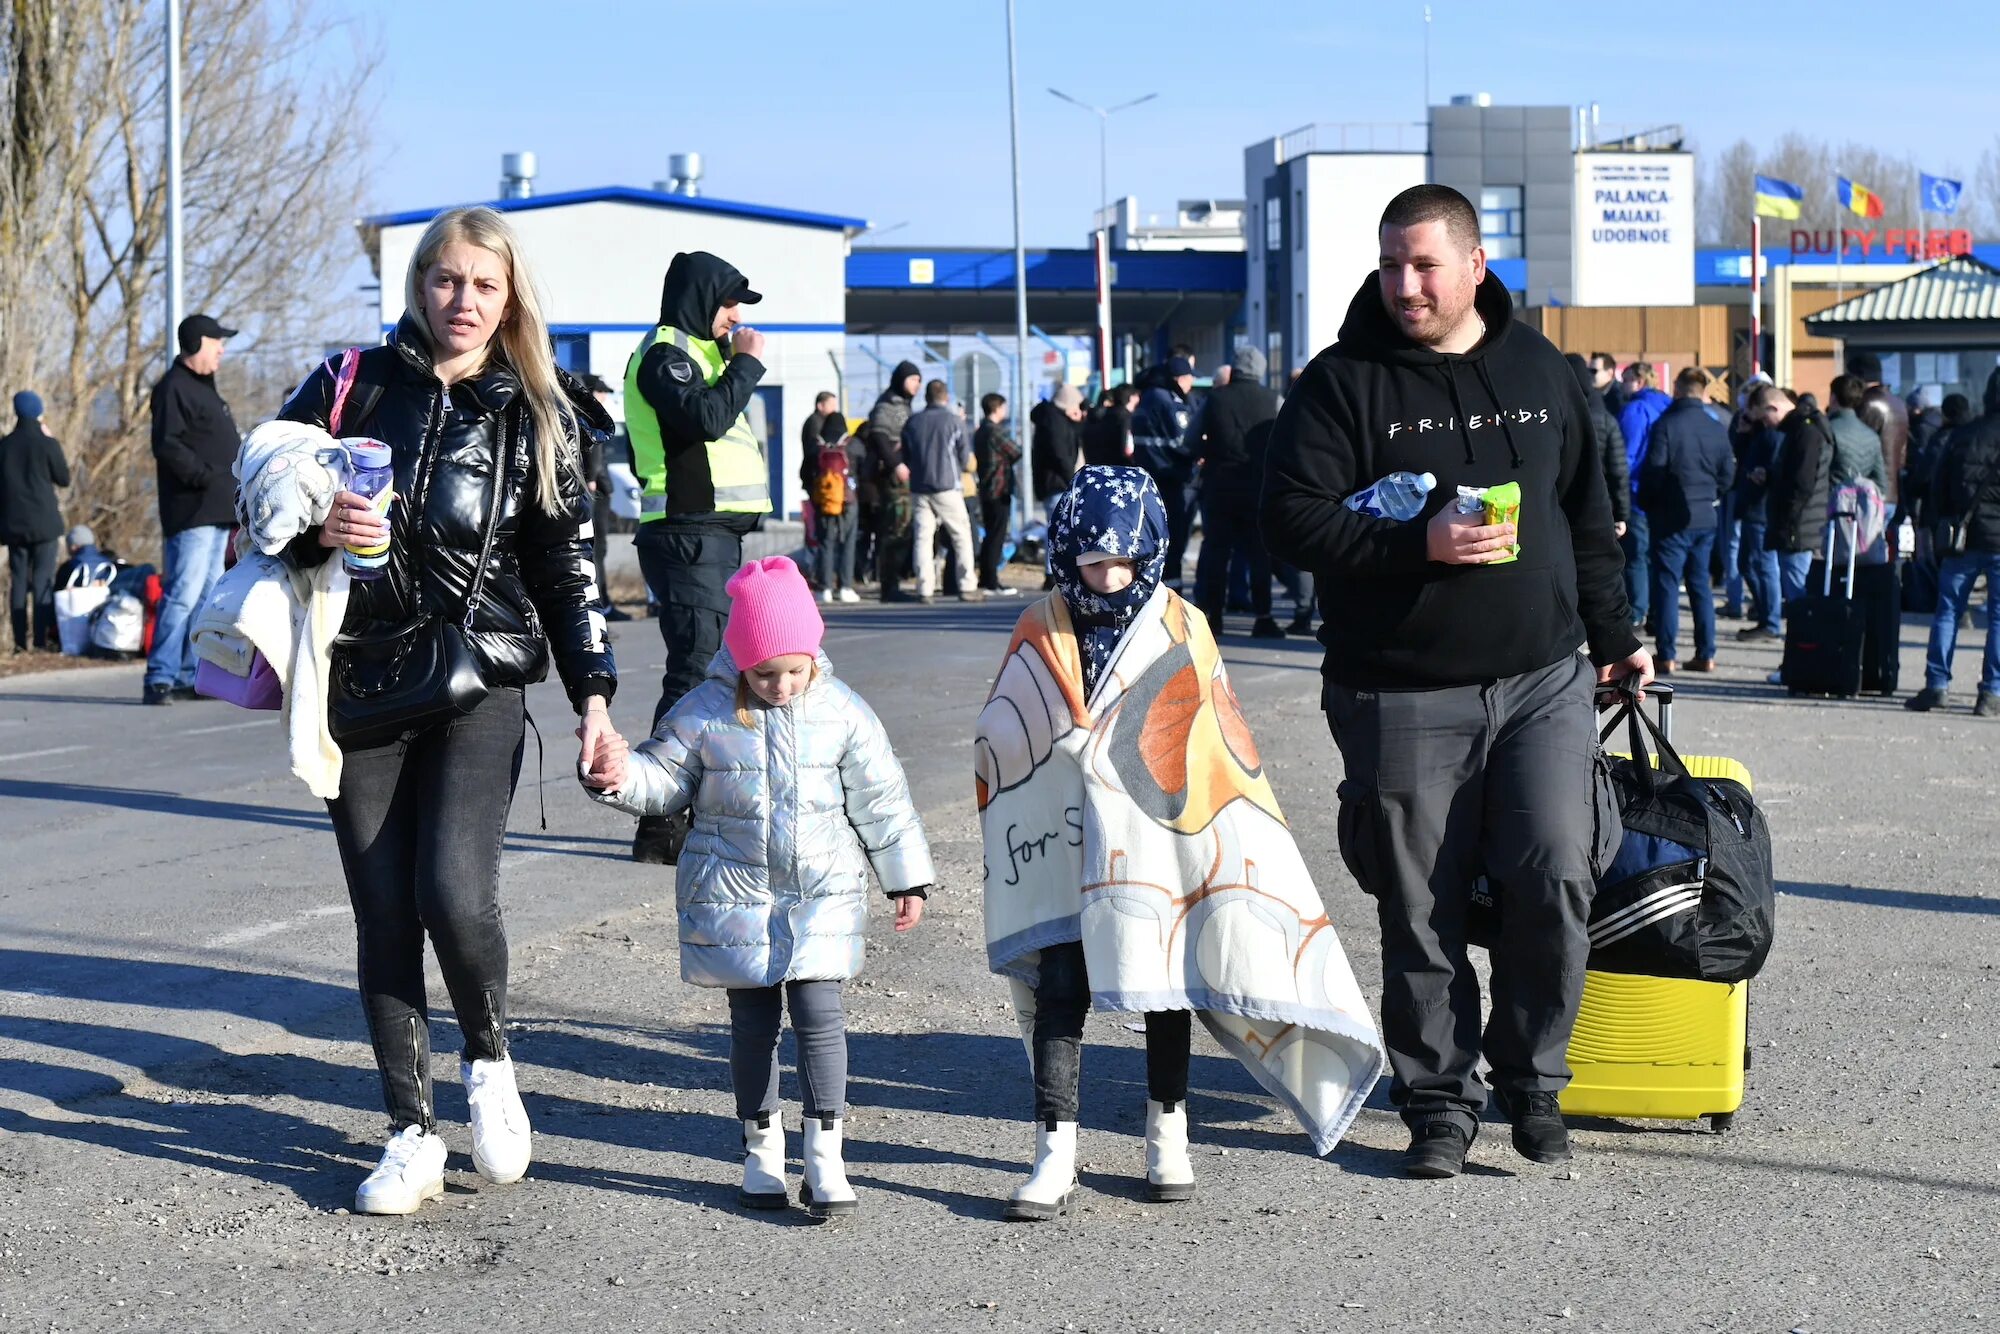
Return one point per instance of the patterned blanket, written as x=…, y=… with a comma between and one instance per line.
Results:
x=1141, y=823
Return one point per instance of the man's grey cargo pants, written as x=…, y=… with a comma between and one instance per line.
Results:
x=1443, y=786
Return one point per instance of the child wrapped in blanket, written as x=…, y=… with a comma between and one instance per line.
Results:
x=1136, y=859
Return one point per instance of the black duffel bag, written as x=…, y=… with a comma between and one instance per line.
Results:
x=1690, y=893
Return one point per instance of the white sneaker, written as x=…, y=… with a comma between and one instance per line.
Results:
x=1169, y=1171
x=826, y=597
x=763, y=1163
x=849, y=595
x=1046, y=1193
x=501, y=1143
x=826, y=1193
x=411, y=1171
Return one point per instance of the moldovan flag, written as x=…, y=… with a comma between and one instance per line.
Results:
x=1778, y=199
x=1859, y=199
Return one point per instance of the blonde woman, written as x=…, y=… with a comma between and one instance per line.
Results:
x=484, y=434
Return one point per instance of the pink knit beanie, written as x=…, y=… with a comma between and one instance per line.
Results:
x=771, y=613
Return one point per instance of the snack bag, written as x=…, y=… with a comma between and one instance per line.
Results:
x=1499, y=504
x=1503, y=505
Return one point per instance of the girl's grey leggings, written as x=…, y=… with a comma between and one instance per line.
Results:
x=756, y=1014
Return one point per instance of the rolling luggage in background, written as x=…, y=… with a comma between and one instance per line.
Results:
x=1877, y=591
x=1824, y=630
x=1662, y=1047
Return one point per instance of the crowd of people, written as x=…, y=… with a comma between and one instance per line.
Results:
x=1739, y=500
x=1462, y=657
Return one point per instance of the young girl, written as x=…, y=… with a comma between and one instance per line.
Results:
x=1136, y=858
x=796, y=793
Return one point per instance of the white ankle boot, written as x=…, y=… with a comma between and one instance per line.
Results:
x=411, y=1171
x=826, y=1193
x=1169, y=1173
x=763, y=1163
x=501, y=1142
x=1046, y=1193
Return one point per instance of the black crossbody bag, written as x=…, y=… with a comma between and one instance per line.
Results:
x=422, y=672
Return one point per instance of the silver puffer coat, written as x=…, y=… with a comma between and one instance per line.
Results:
x=789, y=814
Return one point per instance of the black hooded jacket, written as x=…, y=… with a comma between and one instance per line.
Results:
x=541, y=579
x=32, y=466
x=883, y=432
x=693, y=412
x=1507, y=411
x=1610, y=438
x=1801, y=483
x=1967, y=484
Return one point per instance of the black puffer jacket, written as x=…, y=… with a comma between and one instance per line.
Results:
x=1801, y=483
x=1967, y=482
x=540, y=581
x=1610, y=438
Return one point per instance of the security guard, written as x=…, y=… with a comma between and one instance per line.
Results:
x=705, y=475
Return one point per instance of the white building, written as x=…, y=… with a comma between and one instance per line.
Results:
x=1199, y=224
x=601, y=256
x=1568, y=214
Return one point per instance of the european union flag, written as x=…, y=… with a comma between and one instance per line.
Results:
x=1940, y=195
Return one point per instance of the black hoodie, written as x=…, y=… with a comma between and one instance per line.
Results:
x=1507, y=411
x=693, y=412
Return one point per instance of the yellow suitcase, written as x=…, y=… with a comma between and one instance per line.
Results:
x=1662, y=1047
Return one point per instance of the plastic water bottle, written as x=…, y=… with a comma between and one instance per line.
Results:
x=372, y=477
x=1399, y=496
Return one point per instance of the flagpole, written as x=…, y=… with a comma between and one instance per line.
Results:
x=1840, y=239
x=1756, y=290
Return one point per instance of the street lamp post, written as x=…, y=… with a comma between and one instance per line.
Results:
x=1101, y=240
x=1021, y=474
x=175, y=246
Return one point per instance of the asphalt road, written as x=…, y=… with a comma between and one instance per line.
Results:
x=187, y=1099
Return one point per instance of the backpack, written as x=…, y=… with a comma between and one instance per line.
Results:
x=829, y=490
x=1862, y=499
x=1690, y=892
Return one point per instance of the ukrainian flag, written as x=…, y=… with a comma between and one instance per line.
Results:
x=1859, y=199
x=1778, y=199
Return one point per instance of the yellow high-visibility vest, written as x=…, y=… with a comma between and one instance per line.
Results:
x=737, y=466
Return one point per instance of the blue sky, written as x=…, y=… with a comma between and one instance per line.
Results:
x=897, y=111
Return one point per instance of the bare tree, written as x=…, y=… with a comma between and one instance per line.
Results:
x=275, y=102
x=1815, y=166
x=1981, y=206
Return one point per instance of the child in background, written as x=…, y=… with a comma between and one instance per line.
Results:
x=796, y=794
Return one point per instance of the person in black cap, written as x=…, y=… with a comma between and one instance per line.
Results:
x=32, y=466
x=194, y=442
x=706, y=478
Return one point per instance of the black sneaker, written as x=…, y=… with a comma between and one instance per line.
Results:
x=1758, y=634
x=1266, y=628
x=187, y=694
x=1437, y=1150
x=1987, y=705
x=158, y=695
x=1539, y=1133
x=1300, y=628
x=1925, y=700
